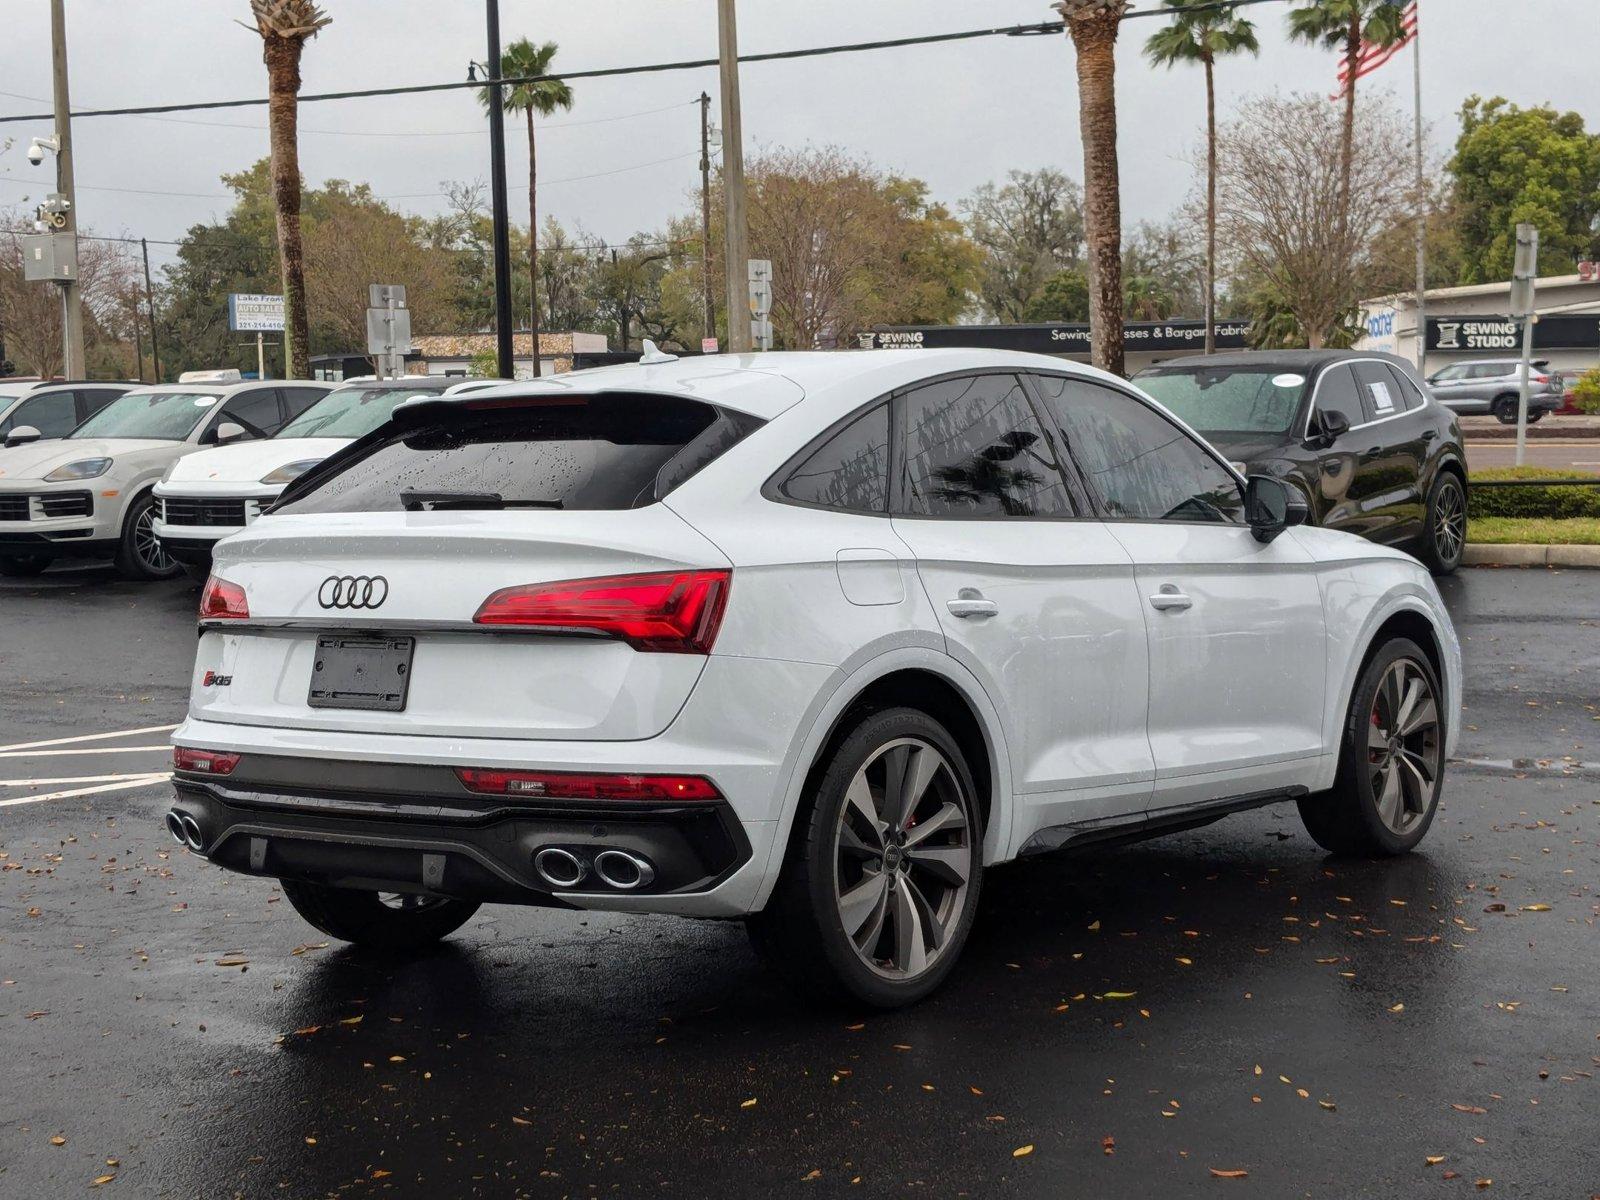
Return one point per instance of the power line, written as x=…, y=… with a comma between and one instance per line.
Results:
x=1026, y=30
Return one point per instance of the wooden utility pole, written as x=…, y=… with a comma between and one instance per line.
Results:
x=705, y=215
x=73, y=363
x=736, y=242
x=504, y=318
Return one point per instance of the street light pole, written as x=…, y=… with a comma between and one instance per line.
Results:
x=73, y=366
x=503, y=315
x=705, y=215
x=735, y=236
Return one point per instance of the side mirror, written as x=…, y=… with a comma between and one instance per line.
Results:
x=1271, y=506
x=23, y=434
x=1334, y=425
x=229, y=431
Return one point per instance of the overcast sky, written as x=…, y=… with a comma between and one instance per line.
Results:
x=954, y=115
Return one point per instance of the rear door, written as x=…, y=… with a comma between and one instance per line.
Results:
x=1389, y=468
x=406, y=543
x=1234, y=627
x=1034, y=595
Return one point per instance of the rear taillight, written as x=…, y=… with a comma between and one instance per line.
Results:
x=204, y=762
x=223, y=600
x=571, y=785
x=672, y=612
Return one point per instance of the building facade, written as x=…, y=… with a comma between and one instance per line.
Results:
x=1464, y=323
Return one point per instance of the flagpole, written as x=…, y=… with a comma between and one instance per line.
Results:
x=1422, y=198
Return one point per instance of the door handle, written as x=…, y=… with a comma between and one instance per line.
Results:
x=1170, y=599
x=969, y=603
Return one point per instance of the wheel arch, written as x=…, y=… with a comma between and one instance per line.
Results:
x=914, y=678
x=1408, y=618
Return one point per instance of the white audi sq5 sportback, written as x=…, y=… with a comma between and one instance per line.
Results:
x=813, y=640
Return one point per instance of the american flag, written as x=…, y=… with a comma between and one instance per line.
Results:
x=1371, y=56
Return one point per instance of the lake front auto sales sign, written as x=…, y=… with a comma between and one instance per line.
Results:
x=251, y=313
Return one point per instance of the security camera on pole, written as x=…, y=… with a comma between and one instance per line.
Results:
x=1524, y=277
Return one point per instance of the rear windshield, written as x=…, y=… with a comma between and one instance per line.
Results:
x=350, y=412
x=169, y=416
x=1253, y=399
x=598, y=452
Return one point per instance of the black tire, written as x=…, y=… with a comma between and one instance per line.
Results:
x=25, y=566
x=1504, y=409
x=139, y=552
x=801, y=933
x=1444, y=532
x=1535, y=415
x=1346, y=820
x=367, y=919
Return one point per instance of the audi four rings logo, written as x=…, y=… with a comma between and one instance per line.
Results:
x=353, y=591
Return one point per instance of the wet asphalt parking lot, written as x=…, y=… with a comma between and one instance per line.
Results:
x=1222, y=1012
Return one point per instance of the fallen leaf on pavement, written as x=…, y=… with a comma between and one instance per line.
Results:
x=1022, y=1151
x=1219, y=1173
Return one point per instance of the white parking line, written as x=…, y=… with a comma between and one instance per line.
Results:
x=9, y=783
x=126, y=785
x=86, y=750
x=89, y=737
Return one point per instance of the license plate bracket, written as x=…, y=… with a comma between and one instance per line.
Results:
x=362, y=671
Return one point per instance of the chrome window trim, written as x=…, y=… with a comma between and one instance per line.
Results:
x=1316, y=389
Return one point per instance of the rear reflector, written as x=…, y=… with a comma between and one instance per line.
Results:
x=672, y=612
x=570, y=785
x=224, y=600
x=205, y=762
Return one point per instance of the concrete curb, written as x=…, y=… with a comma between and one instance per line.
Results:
x=1586, y=431
x=1483, y=555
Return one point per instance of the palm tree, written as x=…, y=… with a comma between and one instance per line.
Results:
x=523, y=59
x=1200, y=33
x=1093, y=26
x=1343, y=25
x=284, y=26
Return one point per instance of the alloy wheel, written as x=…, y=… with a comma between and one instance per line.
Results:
x=152, y=555
x=1449, y=522
x=1404, y=746
x=903, y=857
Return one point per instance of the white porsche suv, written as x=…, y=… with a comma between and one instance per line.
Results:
x=206, y=497
x=813, y=640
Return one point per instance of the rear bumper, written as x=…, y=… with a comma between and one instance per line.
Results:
x=472, y=847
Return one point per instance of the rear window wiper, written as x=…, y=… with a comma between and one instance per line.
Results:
x=418, y=500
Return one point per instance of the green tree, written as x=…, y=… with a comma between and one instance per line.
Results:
x=1028, y=231
x=1524, y=164
x=1202, y=33
x=1343, y=25
x=1065, y=297
x=543, y=96
x=284, y=26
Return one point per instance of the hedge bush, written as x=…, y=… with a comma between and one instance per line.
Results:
x=1532, y=501
x=1586, y=391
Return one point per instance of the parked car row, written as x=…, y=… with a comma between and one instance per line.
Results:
x=152, y=477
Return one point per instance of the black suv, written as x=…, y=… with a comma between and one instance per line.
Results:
x=1354, y=430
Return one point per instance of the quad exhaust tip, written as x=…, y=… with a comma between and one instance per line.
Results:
x=623, y=869
x=184, y=829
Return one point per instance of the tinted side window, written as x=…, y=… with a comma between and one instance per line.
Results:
x=297, y=400
x=850, y=470
x=1336, y=392
x=53, y=415
x=1409, y=395
x=1142, y=465
x=973, y=448
x=256, y=410
x=1380, y=396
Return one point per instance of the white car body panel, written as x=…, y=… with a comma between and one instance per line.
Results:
x=235, y=473
x=1093, y=705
